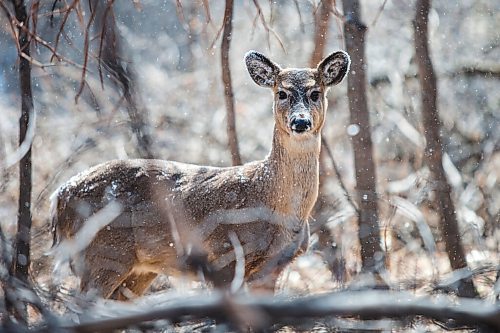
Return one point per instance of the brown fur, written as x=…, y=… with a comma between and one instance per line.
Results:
x=169, y=209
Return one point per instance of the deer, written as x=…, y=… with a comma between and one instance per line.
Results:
x=253, y=216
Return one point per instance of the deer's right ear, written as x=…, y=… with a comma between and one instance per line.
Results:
x=334, y=67
x=262, y=70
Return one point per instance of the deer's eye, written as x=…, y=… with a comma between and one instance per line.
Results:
x=282, y=95
x=314, y=96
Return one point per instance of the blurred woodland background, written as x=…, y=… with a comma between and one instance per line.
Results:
x=410, y=189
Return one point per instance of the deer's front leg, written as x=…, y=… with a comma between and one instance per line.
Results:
x=265, y=279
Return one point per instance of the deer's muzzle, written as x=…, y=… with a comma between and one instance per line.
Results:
x=300, y=123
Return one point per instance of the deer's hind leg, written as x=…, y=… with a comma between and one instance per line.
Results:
x=109, y=261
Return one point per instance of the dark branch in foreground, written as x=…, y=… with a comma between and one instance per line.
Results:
x=286, y=311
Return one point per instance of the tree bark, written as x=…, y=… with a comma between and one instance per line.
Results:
x=434, y=147
x=228, y=86
x=321, y=32
x=21, y=260
x=21, y=255
x=325, y=237
x=369, y=232
x=322, y=21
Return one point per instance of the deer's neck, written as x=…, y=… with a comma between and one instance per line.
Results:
x=295, y=167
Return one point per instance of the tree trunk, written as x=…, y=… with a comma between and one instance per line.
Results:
x=228, y=86
x=21, y=258
x=325, y=237
x=321, y=32
x=21, y=262
x=322, y=21
x=434, y=149
x=369, y=232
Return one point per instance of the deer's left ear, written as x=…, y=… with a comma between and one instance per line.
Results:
x=262, y=70
x=333, y=68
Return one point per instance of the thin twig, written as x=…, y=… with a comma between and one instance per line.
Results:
x=101, y=42
x=339, y=19
x=380, y=10
x=239, y=270
x=14, y=22
x=85, y=53
x=11, y=20
x=63, y=24
x=208, y=17
x=180, y=14
x=217, y=35
x=301, y=21
x=268, y=29
x=25, y=144
x=70, y=248
x=338, y=175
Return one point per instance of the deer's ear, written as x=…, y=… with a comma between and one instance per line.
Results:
x=334, y=67
x=262, y=70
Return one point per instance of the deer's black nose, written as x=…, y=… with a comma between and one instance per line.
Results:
x=300, y=125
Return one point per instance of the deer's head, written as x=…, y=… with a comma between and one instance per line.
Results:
x=299, y=93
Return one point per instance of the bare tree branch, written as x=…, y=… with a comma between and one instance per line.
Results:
x=228, y=86
x=208, y=16
x=68, y=11
x=328, y=151
x=267, y=28
x=286, y=311
x=301, y=21
x=86, y=46
x=380, y=10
